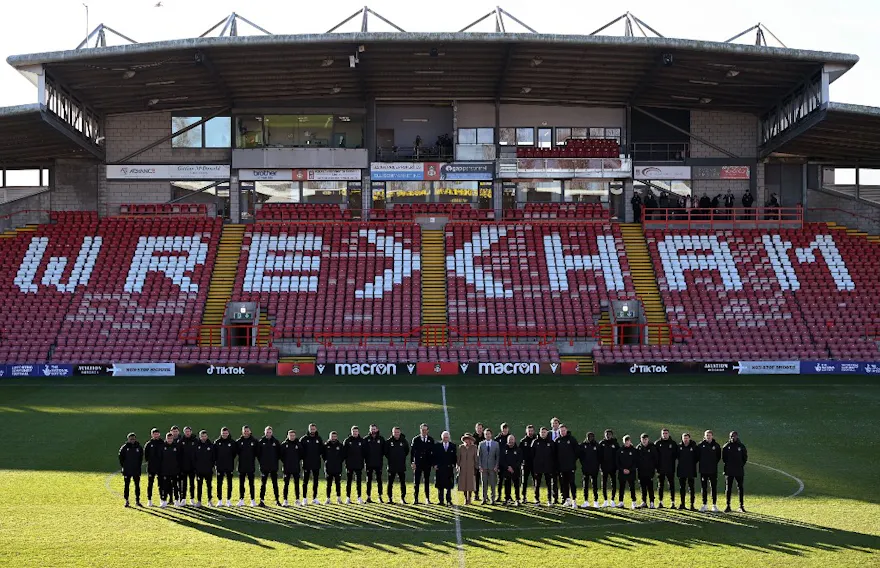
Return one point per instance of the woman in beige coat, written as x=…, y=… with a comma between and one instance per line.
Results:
x=467, y=464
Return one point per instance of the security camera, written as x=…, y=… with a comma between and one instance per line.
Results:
x=668, y=61
x=361, y=48
x=353, y=61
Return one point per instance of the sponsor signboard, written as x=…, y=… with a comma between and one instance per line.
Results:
x=142, y=369
x=721, y=172
x=769, y=367
x=735, y=172
x=295, y=369
x=437, y=369
x=664, y=368
x=472, y=171
x=366, y=369
x=23, y=370
x=226, y=369
x=326, y=175
x=265, y=175
x=405, y=171
x=833, y=368
x=662, y=172
x=170, y=172
x=92, y=370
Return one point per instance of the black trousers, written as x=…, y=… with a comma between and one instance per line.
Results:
x=356, y=474
x=264, y=476
x=206, y=479
x=647, y=485
x=624, y=479
x=569, y=490
x=370, y=473
x=420, y=474
x=137, y=487
x=510, y=479
x=477, y=477
x=689, y=481
x=606, y=475
x=227, y=475
x=313, y=473
x=287, y=478
x=591, y=478
x=151, y=478
x=526, y=477
x=713, y=481
x=167, y=483
x=250, y=478
x=661, y=482
x=401, y=475
x=548, y=480
x=444, y=495
x=555, y=478
x=176, y=482
x=728, y=482
x=187, y=479
x=331, y=479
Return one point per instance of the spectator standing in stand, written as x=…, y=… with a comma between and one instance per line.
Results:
x=636, y=203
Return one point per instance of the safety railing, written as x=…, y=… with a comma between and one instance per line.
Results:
x=673, y=332
x=23, y=217
x=127, y=209
x=207, y=335
x=726, y=218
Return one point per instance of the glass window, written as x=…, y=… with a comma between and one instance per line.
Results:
x=545, y=137
x=297, y=131
x=217, y=132
x=562, y=136
x=467, y=135
x=613, y=133
x=189, y=139
x=324, y=191
x=507, y=137
x=248, y=131
x=277, y=191
x=348, y=131
x=525, y=136
x=456, y=191
x=407, y=192
x=539, y=191
x=586, y=191
x=24, y=178
x=578, y=132
x=485, y=135
x=597, y=133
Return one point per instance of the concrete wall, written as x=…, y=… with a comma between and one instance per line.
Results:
x=853, y=213
x=34, y=204
x=736, y=133
x=76, y=185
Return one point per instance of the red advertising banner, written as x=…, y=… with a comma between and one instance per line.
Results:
x=569, y=368
x=295, y=369
x=735, y=172
x=432, y=171
x=436, y=369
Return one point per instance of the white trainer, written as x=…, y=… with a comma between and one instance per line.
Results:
x=150, y=503
x=209, y=504
x=219, y=503
x=634, y=506
x=595, y=504
x=651, y=506
x=327, y=502
x=228, y=503
x=348, y=500
x=360, y=501
x=177, y=504
x=620, y=505
x=253, y=504
x=703, y=509
x=304, y=502
x=339, y=500
x=316, y=502
x=714, y=508
x=641, y=505
x=241, y=502
x=197, y=504
x=284, y=504
x=162, y=504
x=585, y=505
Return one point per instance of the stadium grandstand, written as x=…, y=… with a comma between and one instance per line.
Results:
x=354, y=200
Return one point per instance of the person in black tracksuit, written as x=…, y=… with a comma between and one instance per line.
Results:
x=420, y=457
x=626, y=464
x=131, y=456
x=608, y=463
x=510, y=461
x=501, y=440
x=375, y=454
x=170, y=470
x=708, y=456
x=247, y=449
x=225, y=450
x=203, y=462
x=187, y=464
x=525, y=446
x=687, y=468
x=312, y=448
x=334, y=457
x=291, y=458
x=588, y=453
x=543, y=464
x=647, y=467
x=396, y=450
x=153, y=457
x=178, y=483
x=269, y=453
x=566, y=464
x=735, y=456
x=667, y=452
x=354, y=450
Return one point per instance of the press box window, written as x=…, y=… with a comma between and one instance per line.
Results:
x=215, y=133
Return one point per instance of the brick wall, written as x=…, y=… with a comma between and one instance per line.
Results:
x=864, y=215
x=76, y=185
x=735, y=132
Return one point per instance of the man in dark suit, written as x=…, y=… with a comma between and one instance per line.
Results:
x=444, y=461
x=422, y=450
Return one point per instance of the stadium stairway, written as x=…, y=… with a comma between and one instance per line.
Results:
x=645, y=281
x=222, y=280
x=12, y=233
x=434, y=285
x=585, y=363
x=854, y=232
x=264, y=333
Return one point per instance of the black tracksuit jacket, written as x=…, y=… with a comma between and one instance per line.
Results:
x=708, y=456
x=627, y=458
x=735, y=457
x=333, y=457
x=225, y=451
x=205, y=456
x=153, y=456
x=354, y=451
x=608, y=455
x=375, y=451
x=247, y=454
x=687, y=460
x=131, y=456
x=187, y=460
x=312, y=451
x=269, y=452
x=171, y=456
x=291, y=456
x=544, y=451
x=667, y=452
x=566, y=453
x=528, y=454
x=396, y=451
x=510, y=457
x=647, y=460
x=588, y=452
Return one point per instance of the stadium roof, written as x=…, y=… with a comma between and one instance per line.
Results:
x=217, y=72
x=843, y=134
x=32, y=136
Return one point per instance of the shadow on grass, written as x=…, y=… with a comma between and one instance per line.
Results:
x=428, y=529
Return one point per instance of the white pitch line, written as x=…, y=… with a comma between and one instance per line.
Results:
x=786, y=474
x=459, y=541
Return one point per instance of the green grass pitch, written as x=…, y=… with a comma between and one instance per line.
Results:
x=60, y=500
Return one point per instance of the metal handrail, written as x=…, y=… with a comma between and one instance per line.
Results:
x=701, y=218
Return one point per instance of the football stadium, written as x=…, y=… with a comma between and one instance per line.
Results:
x=395, y=298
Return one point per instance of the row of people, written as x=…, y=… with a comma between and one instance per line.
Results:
x=182, y=462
